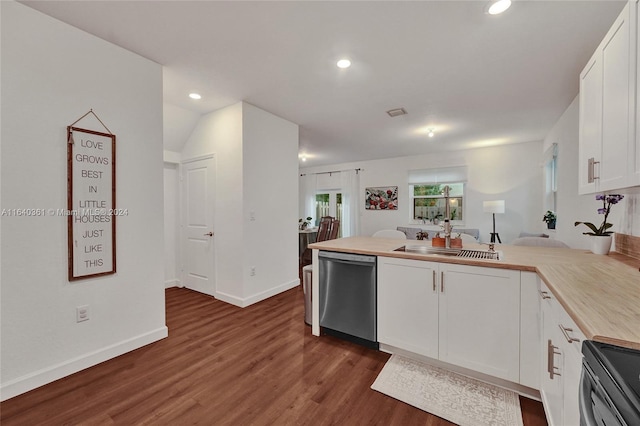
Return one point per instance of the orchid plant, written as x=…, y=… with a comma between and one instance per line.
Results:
x=607, y=202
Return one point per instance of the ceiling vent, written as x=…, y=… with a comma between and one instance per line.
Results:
x=396, y=112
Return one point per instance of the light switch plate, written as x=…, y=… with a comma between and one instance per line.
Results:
x=82, y=313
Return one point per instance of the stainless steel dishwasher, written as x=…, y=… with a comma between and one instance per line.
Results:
x=348, y=296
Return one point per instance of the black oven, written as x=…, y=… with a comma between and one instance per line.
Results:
x=609, y=386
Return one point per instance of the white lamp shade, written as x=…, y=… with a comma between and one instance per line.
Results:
x=496, y=206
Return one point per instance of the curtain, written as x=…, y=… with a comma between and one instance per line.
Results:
x=350, y=186
x=308, y=185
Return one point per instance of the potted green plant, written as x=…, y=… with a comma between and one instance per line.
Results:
x=302, y=225
x=601, y=241
x=550, y=218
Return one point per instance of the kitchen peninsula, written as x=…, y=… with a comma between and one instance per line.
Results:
x=600, y=293
x=517, y=322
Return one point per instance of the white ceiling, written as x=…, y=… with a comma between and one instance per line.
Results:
x=477, y=79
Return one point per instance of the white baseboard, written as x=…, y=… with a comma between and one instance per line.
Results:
x=47, y=375
x=271, y=292
x=247, y=301
x=505, y=384
x=229, y=298
x=172, y=283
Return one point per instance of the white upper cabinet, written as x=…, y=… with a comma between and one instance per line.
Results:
x=590, y=124
x=607, y=109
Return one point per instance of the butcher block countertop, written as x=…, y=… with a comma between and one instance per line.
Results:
x=600, y=293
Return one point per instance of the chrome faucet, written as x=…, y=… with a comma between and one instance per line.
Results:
x=447, y=216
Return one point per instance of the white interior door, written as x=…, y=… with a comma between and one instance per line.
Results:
x=198, y=234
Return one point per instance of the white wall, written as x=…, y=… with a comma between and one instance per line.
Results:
x=572, y=207
x=270, y=169
x=256, y=162
x=510, y=172
x=52, y=74
x=220, y=132
x=178, y=125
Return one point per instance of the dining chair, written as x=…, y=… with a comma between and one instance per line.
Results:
x=390, y=233
x=466, y=238
x=327, y=230
x=538, y=242
x=324, y=227
x=335, y=228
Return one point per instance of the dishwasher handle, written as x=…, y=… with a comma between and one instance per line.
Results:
x=361, y=259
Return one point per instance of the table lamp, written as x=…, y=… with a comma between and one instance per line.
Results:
x=493, y=207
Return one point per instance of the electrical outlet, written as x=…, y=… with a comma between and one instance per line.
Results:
x=252, y=271
x=82, y=313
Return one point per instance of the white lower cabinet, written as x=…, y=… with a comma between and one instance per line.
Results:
x=562, y=362
x=464, y=315
x=529, y=330
x=408, y=305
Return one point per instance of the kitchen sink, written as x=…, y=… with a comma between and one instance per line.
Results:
x=430, y=250
x=442, y=251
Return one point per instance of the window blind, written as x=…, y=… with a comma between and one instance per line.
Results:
x=438, y=175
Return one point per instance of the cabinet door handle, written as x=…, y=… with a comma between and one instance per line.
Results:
x=441, y=281
x=545, y=294
x=551, y=352
x=566, y=331
x=433, y=278
x=591, y=170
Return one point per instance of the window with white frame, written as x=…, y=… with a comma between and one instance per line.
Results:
x=550, y=177
x=429, y=204
x=426, y=193
x=329, y=203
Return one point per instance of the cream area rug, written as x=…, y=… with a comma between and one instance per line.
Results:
x=458, y=399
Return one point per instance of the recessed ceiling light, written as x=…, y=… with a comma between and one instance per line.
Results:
x=431, y=133
x=344, y=63
x=498, y=6
x=304, y=158
x=195, y=96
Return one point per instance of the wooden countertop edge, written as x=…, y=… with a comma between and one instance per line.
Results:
x=586, y=330
x=616, y=342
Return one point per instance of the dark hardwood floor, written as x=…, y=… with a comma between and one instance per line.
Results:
x=222, y=365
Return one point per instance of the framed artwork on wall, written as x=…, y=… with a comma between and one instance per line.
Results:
x=91, y=201
x=381, y=198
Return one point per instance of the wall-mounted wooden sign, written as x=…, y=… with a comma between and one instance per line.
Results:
x=91, y=176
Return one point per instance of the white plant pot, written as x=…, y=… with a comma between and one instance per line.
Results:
x=601, y=244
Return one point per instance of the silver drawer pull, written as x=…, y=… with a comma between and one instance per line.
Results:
x=544, y=294
x=566, y=331
x=551, y=352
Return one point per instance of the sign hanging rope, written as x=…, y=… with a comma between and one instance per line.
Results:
x=97, y=118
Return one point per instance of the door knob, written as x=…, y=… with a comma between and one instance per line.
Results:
x=209, y=234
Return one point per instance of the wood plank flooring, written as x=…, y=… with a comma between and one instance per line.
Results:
x=222, y=365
